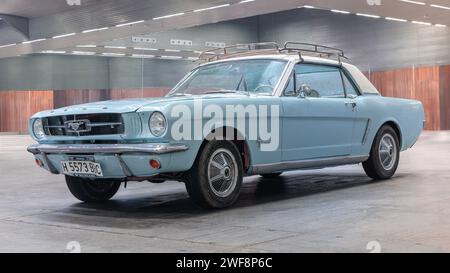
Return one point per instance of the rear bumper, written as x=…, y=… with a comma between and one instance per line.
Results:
x=105, y=148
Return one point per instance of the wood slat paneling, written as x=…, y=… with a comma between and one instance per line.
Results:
x=420, y=83
x=426, y=90
x=138, y=93
x=394, y=83
x=71, y=97
x=444, y=77
x=16, y=107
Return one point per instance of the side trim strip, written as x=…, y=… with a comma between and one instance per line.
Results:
x=366, y=133
x=306, y=164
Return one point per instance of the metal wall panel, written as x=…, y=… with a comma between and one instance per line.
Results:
x=372, y=44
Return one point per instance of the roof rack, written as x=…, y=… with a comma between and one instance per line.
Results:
x=319, y=50
x=302, y=49
x=238, y=50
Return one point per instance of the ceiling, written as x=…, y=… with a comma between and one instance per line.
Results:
x=39, y=8
x=52, y=18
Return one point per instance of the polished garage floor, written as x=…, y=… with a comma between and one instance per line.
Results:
x=330, y=210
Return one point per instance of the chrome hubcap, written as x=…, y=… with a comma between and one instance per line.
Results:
x=222, y=173
x=387, y=152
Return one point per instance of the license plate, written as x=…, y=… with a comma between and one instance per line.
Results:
x=82, y=168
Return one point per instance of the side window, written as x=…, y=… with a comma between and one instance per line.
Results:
x=349, y=86
x=320, y=81
x=290, y=91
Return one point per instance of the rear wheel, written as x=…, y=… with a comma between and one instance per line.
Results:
x=216, y=177
x=384, y=155
x=92, y=190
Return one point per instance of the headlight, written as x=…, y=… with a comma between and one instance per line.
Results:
x=38, y=129
x=157, y=124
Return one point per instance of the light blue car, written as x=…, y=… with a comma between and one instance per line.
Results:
x=258, y=112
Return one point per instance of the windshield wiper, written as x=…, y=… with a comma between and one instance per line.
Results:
x=221, y=92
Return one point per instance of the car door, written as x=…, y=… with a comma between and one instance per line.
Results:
x=318, y=117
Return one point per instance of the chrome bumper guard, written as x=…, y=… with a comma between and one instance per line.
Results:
x=106, y=148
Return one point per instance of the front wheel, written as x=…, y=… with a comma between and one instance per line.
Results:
x=92, y=190
x=216, y=177
x=384, y=155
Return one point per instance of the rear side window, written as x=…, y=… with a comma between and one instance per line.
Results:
x=365, y=86
x=323, y=81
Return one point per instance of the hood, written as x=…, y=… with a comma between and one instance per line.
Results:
x=126, y=105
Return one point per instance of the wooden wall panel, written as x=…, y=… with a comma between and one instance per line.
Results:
x=16, y=107
x=444, y=77
x=71, y=97
x=116, y=94
x=420, y=83
x=395, y=83
x=426, y=89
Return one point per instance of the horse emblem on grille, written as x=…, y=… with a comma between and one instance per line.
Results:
x=78, y=126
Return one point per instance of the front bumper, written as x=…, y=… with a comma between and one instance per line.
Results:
x=117, y=160
x=105, y=148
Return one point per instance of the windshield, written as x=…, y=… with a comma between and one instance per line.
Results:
x=252, y=76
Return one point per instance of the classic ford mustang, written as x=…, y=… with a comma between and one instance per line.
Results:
x=260, y=111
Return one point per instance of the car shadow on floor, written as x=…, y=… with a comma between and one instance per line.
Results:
x=149, y=209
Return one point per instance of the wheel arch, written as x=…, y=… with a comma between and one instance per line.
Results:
x=396, y=127
x=238, y=140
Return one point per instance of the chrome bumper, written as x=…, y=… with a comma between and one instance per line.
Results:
x=106, y=148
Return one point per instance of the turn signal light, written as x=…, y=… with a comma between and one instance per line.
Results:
x=155, y=164
x=39, y=163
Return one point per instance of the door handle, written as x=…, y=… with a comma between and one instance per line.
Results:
x=353, y=104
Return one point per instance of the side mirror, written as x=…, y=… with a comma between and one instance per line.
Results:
x=304, y=91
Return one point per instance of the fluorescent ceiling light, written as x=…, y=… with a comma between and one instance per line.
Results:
x=83, y=53
x=368, y=15
x=192, y=58
x=54, y=52
x=142, y=56
x=8, y=45
x=396, y=19
x=86, y=46
x=33, y=41
x=414, y=2
x=116, y=47
x=130, y=23
x=113, y=54
x=63, y=35
x=440, y=7
x=172, y=50
x=307, y=7
x=211, y=8
x=171, y=57
x=246, y=1
x=94, y=29
x=168, y=16
x=422, y=23
x=440, y=25
x=340, y=11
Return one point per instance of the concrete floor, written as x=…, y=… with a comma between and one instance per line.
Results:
x=330, y=210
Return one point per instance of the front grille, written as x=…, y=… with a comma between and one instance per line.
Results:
x=84, y=125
